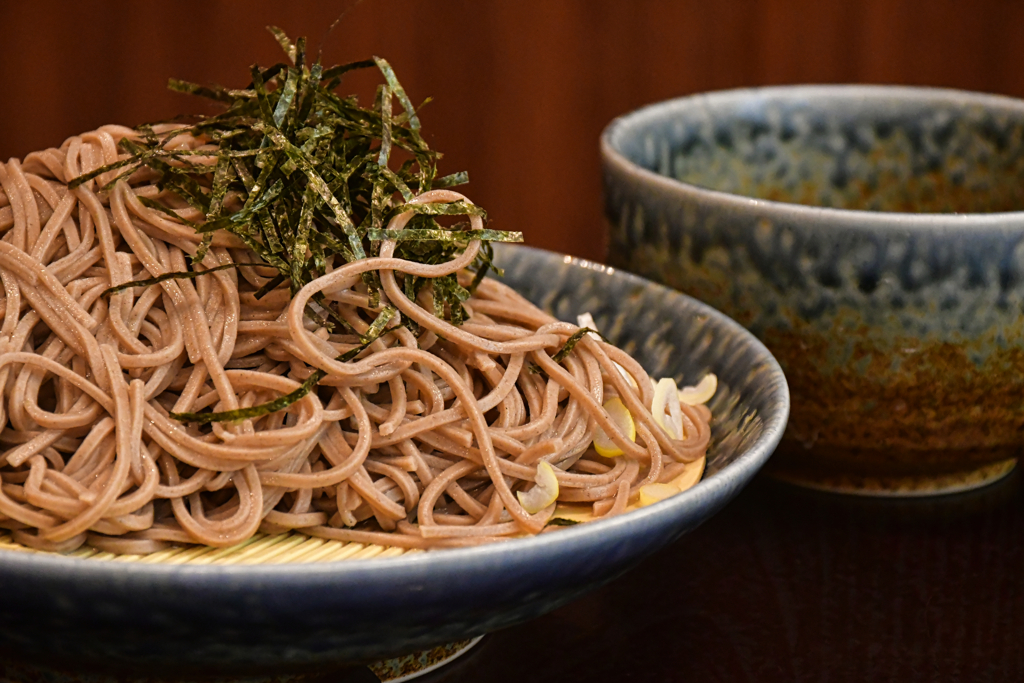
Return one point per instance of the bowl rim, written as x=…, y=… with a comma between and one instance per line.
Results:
x=454, y=561
x=854, y=218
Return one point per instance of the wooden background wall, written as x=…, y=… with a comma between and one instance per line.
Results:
x=522, y=88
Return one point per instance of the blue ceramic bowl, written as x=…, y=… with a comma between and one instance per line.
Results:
x=186, y=620
x=873, y=238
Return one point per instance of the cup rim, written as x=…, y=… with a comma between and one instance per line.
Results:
x=622, y=125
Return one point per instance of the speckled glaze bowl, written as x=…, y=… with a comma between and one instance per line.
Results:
x=164, y=621
x=873, y=238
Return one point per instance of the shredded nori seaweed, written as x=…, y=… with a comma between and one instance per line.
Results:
x=571, y=342
x=313, y=172
x=558, y=521
x=281, y=402
x=183, y=275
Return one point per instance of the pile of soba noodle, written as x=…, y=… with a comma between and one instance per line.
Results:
x=420, y=441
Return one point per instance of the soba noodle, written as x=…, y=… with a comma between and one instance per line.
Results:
x=421, y=441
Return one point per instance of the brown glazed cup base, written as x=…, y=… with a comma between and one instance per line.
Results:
x=891, y=485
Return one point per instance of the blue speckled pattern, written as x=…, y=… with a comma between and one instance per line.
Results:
x=262, y=620
x=872, y=236
x=879, y=149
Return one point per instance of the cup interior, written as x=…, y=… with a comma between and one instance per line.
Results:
x=911, y=150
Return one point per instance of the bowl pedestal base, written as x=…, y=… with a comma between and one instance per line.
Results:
x=395, y=670
x=408, y=667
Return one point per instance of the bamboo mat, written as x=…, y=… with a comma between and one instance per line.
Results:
x=290, y=548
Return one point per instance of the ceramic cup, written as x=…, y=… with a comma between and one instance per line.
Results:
x=873, y=238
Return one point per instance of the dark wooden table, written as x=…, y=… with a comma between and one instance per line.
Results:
x=792, y=585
